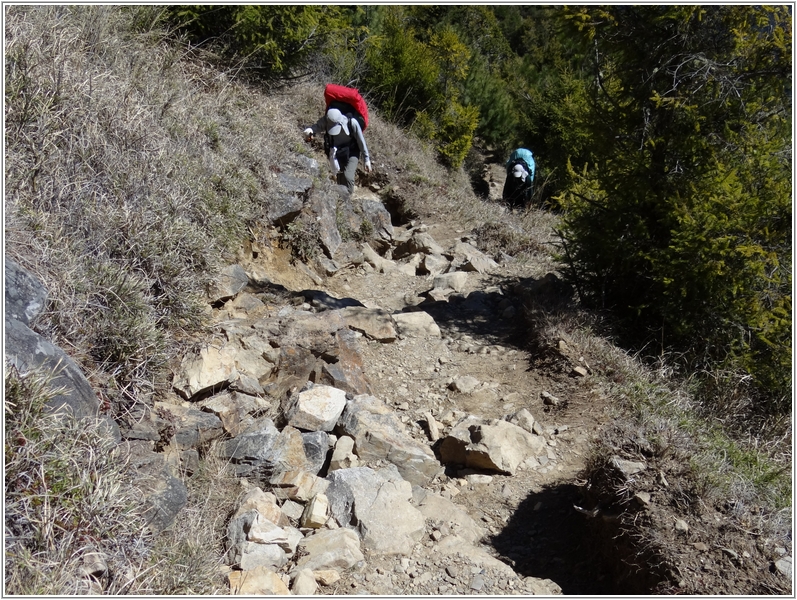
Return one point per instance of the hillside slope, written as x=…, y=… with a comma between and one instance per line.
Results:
x=136, y=172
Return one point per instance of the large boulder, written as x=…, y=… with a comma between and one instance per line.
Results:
x=316, y=408
x=337, y=549
x=433, y=264
x=493, y=446
x=377, y=507
x=380, y=435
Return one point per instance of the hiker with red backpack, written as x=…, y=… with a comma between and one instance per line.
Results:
x=519, y=178
x=343, y=124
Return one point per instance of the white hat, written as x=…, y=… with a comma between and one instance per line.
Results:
x=335, y=121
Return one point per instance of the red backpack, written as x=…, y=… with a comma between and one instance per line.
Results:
x=348, y=101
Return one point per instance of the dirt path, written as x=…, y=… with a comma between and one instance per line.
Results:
x=532, y=524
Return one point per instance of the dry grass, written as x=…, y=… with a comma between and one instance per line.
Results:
x=188, y=558
x=67, y=496
x=132, y=170
x=655, y=401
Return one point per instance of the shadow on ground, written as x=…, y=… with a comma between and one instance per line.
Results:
x=547, y=538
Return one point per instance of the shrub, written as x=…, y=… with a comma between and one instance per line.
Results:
x=418, y=83
x=682, y=222
x=270, y=41
x=402, y=72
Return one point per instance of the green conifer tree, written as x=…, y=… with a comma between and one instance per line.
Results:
x=682, y=222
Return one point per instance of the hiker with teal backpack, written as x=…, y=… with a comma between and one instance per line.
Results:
x=519, y=178
x=343, y=126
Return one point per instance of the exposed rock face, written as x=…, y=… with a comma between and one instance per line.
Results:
x=286, y=205
x=232, y=280
x=26, y=350
x=25, y=296
x=323, y=205
x=379, y=217
x=164, y=495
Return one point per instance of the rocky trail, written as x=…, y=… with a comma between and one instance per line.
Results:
x=474, y=452
x=390, y=428
x=392, y=393
x=528, y=518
